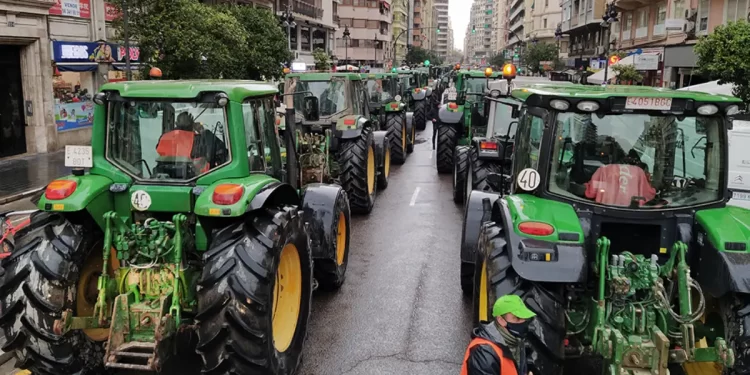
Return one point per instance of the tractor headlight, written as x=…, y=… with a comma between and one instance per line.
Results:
x=708, y=109
x=733, y=110
x=222, y=99
x=398, y=98
x=560, y=105
x=494, y=93
x=100, y=98
x=588, y=106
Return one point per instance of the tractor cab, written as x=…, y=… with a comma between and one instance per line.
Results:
x=413, y=82
x=617, y=206
x=321, y=99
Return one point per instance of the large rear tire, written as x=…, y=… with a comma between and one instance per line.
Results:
x=39, y=284
x=384, y=164
x=479, y=170
x=494, y=277
x=397, y=136
x=358, y=166
x=254, y=296
x=460, y=169
x=420, y=115
x=446, y=144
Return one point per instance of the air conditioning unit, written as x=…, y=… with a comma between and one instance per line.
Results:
x=600, y=50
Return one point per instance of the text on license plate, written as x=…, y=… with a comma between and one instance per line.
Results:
x=741, y=196
x=78, y=157
x=664, y=104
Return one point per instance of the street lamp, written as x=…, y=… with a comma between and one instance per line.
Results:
x=287, y=19
x=346, y=45
x=609, y=17
x=374, y=62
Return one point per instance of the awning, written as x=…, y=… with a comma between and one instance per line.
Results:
x=123, y=66
x=385, y=4
x=77, y=67
x=598, y=77
x=712, y=87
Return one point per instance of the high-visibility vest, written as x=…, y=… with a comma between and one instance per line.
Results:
x=507, y=366
x=179, y=143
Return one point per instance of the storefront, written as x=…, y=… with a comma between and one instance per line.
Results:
x=76, y=64
x=680, y=67
x=649, y=62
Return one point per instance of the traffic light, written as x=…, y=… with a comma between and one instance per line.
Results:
x=473, y=29
x=610, y=13
x=438, y=30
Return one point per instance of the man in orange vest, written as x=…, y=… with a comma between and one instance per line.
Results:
x=184, y=141
x=498, y=348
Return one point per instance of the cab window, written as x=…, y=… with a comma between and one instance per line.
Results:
x=528, y=143
x=253, y=141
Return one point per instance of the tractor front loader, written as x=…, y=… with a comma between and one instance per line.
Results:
x=617, y=234
x=174, y=246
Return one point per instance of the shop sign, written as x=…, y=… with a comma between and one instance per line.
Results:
x=111, y=12
x=71, y=8
x=69, y=116
x=83, y=52
x=646, y=62
x=674, y=24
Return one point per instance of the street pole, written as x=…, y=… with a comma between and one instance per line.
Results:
x=346, y=46
x=125, y=31
x=375, y=47
x=288, y=21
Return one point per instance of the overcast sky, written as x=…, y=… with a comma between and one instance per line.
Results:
x=459, y=11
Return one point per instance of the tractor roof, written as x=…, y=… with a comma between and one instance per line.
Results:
x=324, y=76
x=378, y=75
x=598, y=92
x=404, y=71
x=479, y=73
x=188, y=89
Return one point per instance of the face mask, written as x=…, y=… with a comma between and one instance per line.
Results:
x=518, y=329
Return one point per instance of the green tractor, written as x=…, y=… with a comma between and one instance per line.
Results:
x=181, y=231
x=416, y=93
x=336, y=138
x=462, y=116
x=626, y=250
x=390, y=113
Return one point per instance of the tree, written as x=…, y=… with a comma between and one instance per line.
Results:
x=266, y=42
x=724, y=55
x=627, y=73
x=322, y=61
x=417, y=55
x=536, y=52
x=498, y=60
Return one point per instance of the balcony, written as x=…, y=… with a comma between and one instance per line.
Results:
x=304, y=8
x=337, y=20
x=631, y=4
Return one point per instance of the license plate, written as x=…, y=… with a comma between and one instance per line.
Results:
x=741, y=196
x=78, y=157
x=664, y=104
x=452, y=95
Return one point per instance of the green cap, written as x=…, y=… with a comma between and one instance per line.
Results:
x=511, y=303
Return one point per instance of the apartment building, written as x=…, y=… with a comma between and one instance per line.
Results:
x=451, y=41
x=418, y=35
x=442, y=23
x=482, y=32
x=426, y=26
x=661, y=35
x=499, y=24
x=515, y=14
x=541, y=20
x=316, y=23
x=369, y=26
x=581, y=23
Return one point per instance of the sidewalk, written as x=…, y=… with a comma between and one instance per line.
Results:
x=23, y=176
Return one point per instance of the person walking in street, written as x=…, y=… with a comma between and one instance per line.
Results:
x=498, y=347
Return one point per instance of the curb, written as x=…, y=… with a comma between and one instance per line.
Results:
x=19, y=196
x=6, y=357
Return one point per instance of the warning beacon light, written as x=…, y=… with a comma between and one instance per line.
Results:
x=488, y=72
x=509, y=71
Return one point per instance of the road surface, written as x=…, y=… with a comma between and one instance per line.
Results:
x=401, y=310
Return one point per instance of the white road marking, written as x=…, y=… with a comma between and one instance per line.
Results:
x=414, y=197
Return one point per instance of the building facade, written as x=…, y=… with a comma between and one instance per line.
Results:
x=442, y=23
x=541, y=20
x=582, y=25
x=369, y=26
x=316, y=24
x=514, y=23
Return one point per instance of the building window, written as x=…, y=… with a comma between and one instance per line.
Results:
x=319, y=39
x=304, y=38
x=293, y=38
x=703, y=9
x=678, y=9
x=641, y=29
x=736, y=10
x=544, y=23
x=347, y=2
x=627, y=26
x=546, y=3
x=661, y=16
x=360, y=24
x=373, y=24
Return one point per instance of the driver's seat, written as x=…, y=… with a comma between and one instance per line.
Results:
x=177, y=168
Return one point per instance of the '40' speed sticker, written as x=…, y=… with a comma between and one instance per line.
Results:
x=528, y=179
x=141, y=200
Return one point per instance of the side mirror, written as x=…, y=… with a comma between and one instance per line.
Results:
x=310, y=108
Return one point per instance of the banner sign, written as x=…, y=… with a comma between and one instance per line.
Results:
x=71, y=8
x=88, y=52
x=111, y=12
x=69, y=116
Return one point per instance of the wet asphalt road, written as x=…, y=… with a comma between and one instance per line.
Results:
x=401, y=310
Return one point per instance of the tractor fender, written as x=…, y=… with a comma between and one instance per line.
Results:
x=418, y=95
x=273, y=195
x=381, y=138
x=91, y=194
x=721, y=240
x=253, y=185
x=428, y=91
x=478, y=211
x=448, y=116
x=320, y=204
x=568, y=262
x=349, y=127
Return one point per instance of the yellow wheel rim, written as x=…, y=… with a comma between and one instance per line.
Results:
x=403, y=139
x=287, y=297
x=483, y=294
x=341, y=239
x=370, y=170
x=387, y=163
x=87, y=291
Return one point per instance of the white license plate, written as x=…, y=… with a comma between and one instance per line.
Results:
x=452, y=95
x=78, y=157
x=741, y=196
x=663, y=104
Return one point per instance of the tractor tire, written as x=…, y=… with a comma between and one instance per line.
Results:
x=420, y=115
x=494, y=277
x=39, y=284
x=255, y=294
x=398, y=137
x=460, y=170
x=358, y=171
x=446, y=144
x=412, y=131
x=383, y=152
x=479, y=170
